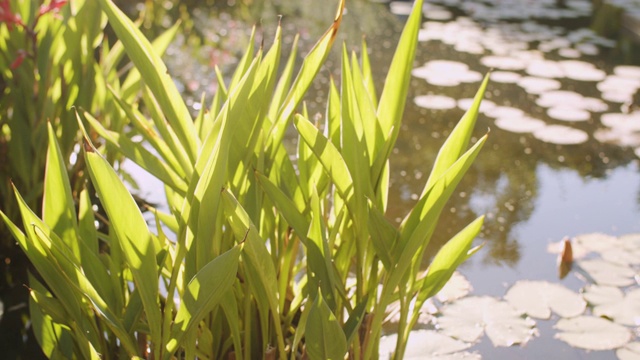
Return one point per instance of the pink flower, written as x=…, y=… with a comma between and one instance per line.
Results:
x=53, y=6
x=19, y=59
x=7, y=16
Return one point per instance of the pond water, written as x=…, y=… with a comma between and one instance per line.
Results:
x=557, y=163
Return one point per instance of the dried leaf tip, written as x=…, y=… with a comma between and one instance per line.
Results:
x=565, y=258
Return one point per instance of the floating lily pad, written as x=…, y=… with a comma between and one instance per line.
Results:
x=612, y=303
x=504, y=112
x=561, y=135
x=427, y=344
x=400, y=8
x=446, y=73
x=594, y=104
x=618, y=83
x=582, y=71
x=569, y=53
x=592, y=333
x=538, y=298
x=624, y=122
x=627, y=71
x=545, y=69
x=537, y=85
x=567, y=113
x=607, y=273
x=468, y=318
x=503, y=62
x=588, y=49
x=624, y=250
x=486, y=105
x=435, y=102
x=617, y=96
x=520, y=124
x=617, y=136
x=507, y=77
x=630, y=351
x=457, y=287
x=559, y=98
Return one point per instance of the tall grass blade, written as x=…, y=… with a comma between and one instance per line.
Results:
x=325, y=338
x=132, y=235
x=204, y=291
x=155, y=75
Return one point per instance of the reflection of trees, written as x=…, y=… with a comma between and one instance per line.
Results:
x=502, y=183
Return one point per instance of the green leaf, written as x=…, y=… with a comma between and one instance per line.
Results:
x=155, y=75
x=141, y=156
x=307, y=73
x=132, y=234
x=394, y=94
x=447, y=260
x=457, y=141
x=325, y=338
x=203, y=292
x=319, y=266
x=58, y=208
x=396, y=86
x=132, y=83
x=74, y=275
x=329, y=156
x=383, y=235
x=285, y=206
x=355, y=319
x=49, y=322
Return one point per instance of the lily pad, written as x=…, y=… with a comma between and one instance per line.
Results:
x=507, y=77
x=457, y=287
x=503, y=62
x=486, y=105
x=545, y=69
x=568, y=113
x=561, y=135
x=520, y=124
x=612, y=303
x=592, y=333
x=538, y=298
x=607, y=273
x=582, y=71
x=469, y=318
x=627, y=71
x=427, y=344
x=504, y=112
x=435, y=102
x=630, y=351
x=559, y=98
x=537, y=85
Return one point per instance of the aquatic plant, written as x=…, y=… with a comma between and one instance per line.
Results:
x=267, y=256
